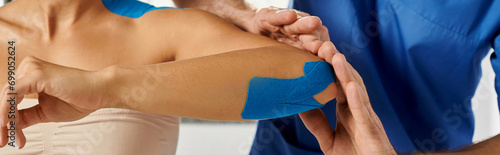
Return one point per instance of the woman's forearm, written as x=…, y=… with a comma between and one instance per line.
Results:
x=213, y=87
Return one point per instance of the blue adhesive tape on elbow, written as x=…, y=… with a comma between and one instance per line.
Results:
x=274, y=98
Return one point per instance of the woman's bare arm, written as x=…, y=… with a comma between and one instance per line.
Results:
x=214, y=64
x=195, y=33
x=209, y=80
x=213, y=87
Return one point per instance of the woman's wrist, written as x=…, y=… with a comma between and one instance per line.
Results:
x=108, y=81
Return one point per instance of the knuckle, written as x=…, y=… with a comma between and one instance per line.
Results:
x=311, y=25
x=261, y=12
x=316, y=20
x=320, y=21
x=30, y=59
x=303, y=13
x=5, y=88
x=272, y=8
x=323, y=29
x=290, y=28
x=36, y=73
x=291, y=17
x=25, y=61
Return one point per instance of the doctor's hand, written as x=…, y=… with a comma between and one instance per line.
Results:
x=289, y=26
x=359, y=130
x=64, y=94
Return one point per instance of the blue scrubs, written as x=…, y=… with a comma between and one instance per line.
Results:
x=420, y=61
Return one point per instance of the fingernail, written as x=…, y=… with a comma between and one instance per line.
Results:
x=16, y=145
x=280, y=11
x=304, y=17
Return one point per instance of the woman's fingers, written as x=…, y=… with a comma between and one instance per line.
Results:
x=316, y=122
x=26, y=118
x=3, y=139
x=11, y=96
x=20, y=138
x=31, y=116
x=12, y=135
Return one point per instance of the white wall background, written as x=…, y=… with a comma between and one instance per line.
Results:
x=485, y=104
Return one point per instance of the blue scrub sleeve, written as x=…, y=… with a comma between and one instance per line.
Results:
x=495, y=62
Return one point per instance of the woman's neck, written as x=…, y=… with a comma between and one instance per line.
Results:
x=51, y=17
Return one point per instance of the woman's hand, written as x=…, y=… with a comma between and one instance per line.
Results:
x=64, y=94
x=359, y=130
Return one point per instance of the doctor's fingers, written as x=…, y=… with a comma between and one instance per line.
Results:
x=281, y=16
x=317, y=123
x=338, y=59
x=272, y=18
x=311, y=41
x=287, y=21
x=303, y=25
x=347, y=75
x=327, y=51
x=314, y=41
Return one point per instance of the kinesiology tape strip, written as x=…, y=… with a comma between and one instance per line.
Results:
x=130, y=8
x=274, y=98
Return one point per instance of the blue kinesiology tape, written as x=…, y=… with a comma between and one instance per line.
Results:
x=129, y=8
x=274, y=98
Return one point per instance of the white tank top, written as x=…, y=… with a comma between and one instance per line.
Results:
x=105, y=131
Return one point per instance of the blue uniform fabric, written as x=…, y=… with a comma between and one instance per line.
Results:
x=129, y=8
x=274, y=98
x=420, y=61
